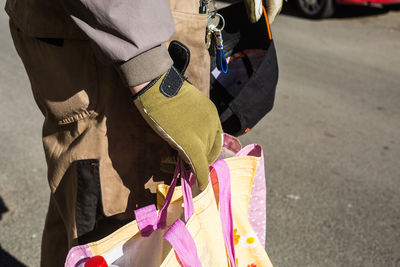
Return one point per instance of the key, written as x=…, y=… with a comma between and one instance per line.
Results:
x=213, y=22
x=209, y=35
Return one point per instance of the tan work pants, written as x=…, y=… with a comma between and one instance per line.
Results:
x=103, y=159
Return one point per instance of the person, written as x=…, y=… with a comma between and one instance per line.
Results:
x=106, y=152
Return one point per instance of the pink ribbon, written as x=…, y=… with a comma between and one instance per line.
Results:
x=178, y=235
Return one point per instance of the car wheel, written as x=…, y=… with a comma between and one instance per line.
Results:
x=316, y=9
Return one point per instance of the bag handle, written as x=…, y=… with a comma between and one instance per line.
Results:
x=223, y=197
x=182, y=241
x=147, y=219
x=178, y=235
x=187, y=181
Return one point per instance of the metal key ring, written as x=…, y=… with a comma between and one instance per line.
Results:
x=223, y=21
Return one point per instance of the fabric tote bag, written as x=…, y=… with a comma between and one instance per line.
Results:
x=222, y=226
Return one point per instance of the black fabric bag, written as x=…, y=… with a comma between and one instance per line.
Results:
x=246, y=93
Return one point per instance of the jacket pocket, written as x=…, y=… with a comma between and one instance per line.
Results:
x=63, y=76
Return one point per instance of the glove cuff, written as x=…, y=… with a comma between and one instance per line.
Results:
x=170, y=85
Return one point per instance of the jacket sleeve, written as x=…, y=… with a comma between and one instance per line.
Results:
x=130, y=33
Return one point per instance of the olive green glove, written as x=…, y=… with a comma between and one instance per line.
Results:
x=185, y=118
x=254, y=9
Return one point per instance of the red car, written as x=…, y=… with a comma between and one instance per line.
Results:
x=317, y=9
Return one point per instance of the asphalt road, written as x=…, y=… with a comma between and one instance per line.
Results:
x=331, y=143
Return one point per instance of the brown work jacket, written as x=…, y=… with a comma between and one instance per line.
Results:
x=103, y=159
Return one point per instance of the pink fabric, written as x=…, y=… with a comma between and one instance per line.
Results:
x=162, y=215
x=182, y=242
x=177, y=235
x=146, y=219
x=225, y=208
x=232, y=143
x=78, y=255
x=258, y=198
x=192, y=181
x=187, y=192
x=258, y=203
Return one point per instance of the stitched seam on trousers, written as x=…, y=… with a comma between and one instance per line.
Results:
x=77, y=117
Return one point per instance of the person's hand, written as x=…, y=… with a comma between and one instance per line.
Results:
x=185, y=118
x=136, y=89
x=254, y=9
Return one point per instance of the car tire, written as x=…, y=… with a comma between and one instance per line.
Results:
x=316, y=9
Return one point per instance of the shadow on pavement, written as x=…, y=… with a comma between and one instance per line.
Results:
x=3, y=208
x=344, y=11
x=5, y=258
x=8, y=260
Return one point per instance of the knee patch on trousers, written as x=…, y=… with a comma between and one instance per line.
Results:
x=89, y=208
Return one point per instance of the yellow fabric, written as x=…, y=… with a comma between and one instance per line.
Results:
x=206, y=230
x=205, y=224
x=162, y=190
x=249, y=251
x=117, y=238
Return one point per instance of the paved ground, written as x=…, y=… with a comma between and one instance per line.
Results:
x=332, y=146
